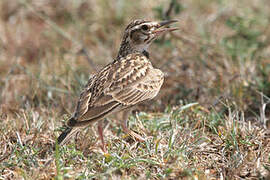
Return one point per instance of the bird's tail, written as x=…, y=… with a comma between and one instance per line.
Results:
x=66, y=135
x=68, y=132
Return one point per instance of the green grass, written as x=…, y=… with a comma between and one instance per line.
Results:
x=210, y=120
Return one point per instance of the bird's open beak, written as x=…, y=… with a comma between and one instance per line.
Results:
x=159, y=31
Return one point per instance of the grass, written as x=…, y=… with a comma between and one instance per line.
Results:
x=210, y=120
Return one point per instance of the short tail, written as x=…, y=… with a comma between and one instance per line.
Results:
x=66, y=135
x=68, y=132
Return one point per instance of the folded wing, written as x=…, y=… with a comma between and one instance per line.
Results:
x=124, y=83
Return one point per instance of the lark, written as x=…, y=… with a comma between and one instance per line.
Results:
x=125, y=82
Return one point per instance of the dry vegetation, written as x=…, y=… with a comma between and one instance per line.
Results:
x=210, y=121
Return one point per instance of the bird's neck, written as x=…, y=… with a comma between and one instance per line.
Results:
x=126, y=49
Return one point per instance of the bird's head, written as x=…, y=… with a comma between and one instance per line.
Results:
x=139, y=34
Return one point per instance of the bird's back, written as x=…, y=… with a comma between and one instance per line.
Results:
x=127, y=81
x=122, y=83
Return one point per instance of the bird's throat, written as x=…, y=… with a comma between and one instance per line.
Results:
x=126, y=49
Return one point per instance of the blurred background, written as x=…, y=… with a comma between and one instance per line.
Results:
x=219, y=58
x=220, y=52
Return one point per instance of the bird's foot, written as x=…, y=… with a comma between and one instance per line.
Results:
x=134, y=135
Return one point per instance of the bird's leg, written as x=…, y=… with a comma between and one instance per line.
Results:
x=100, y=133
x=127, y=130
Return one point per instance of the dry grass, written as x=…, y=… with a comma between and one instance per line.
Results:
x=219, y=59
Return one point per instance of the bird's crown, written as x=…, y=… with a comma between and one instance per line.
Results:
x=139, y=34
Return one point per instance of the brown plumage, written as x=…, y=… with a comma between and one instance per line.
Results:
x=127, y=81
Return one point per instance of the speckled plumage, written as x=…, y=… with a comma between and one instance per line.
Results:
x=130, y=79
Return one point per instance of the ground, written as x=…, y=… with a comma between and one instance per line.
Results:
x=210, y=120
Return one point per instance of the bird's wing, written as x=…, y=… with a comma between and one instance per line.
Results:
x=139, y=87
x=119, y=85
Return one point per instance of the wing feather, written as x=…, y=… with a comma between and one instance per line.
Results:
x=143, y=89
x=123, y=83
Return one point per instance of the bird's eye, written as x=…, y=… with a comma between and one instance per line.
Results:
x=145, y=27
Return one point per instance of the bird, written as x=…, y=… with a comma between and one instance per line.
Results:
x=128, y=80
